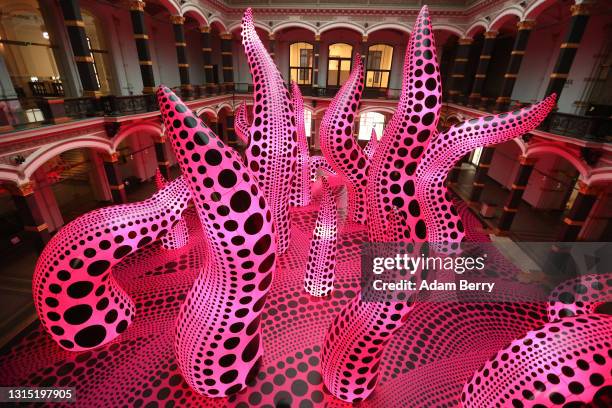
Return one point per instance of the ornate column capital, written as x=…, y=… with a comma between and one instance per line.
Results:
x=466, y=41
x=527, y=161
x=204, y=28
x=226, y=36
x=272, y=36
x=526, y=24
x=586, y=189
x=22, y=190
x=581, y=9
x=137, y=5
x=491, y=34
x=177, y=19
x=111, y=157
x=364, y=38
x=317, y=37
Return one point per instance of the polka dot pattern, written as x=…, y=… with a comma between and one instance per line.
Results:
x=370, y=148
x=76, y=297
x=217, y=338
x=241, y=124
x=273, y=148
x=567, y=363
x=412, y=126
x=178, y=235
x=339, y=146
x=436, y=209
x=581, y=295
x=321, y=265
x=300, y=188
x=319, y=164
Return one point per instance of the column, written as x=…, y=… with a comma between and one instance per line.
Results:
x=80, y=48
x=569, y=47
x=364, y=47
x=315, y=64
x=207, y=57
x=229, y=126
x=483, y=66
x=30, y=213
x=516, y=194
x=481, y=173
x=456, y=92
x=516, y=57
x=583, y=204
x=272, y=46
x=113, y=175
x=142, y=45
x=181, y=55
x=227, y=60
x=162, y=156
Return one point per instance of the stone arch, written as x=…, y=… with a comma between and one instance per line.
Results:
x=388, y=26
x=505, y=15
x=342, y=24
x=195, y=12
x=475, y=28
x=294, y=24
x=49, y=151
x=549, y=148
x=124, y=133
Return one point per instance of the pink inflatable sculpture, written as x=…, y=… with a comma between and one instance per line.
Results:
x=370, y=148
x=241, y=124
x=273, y=148
x=339, y=146
x=178, y=236
x=581, y=295
x=319, y=163
x=300, y=188
x=392, y=176
x=218, y=341
x=563, y=363
x=321, y=265
x=408, y=173
x=76, y=297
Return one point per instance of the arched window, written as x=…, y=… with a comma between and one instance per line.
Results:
x=300, y=63
x=369, y=121
x=378, y=66
x=339, y=64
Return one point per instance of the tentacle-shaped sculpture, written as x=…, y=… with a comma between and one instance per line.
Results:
x=370, y=148
x=76, y=297
x=436, y=209
x=300, y=188
x=578, y=296
x=339, y=146
x=273, y=148
x=178, y=236
x=319, y=162
x=241, y=124
x=396, y=225
x=564, y=363
x=321, y=266
x=354, y=344
x=218, y=340
x=392, y=174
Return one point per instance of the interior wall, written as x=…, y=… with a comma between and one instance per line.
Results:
x=505, y=164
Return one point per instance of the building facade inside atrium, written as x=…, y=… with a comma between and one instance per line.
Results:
x=264, y=204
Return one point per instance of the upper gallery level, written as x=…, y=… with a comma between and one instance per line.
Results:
x=75, y=60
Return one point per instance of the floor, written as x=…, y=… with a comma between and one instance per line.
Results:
x=139, y=368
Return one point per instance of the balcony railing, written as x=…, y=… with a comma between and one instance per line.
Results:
x=56, y=110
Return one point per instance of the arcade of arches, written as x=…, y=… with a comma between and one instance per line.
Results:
x=79, y=128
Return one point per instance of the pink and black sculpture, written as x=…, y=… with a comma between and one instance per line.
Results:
x=563, y=363
x=392, y=176
x=77, y=299
x=408, y=172
x=321, y=264
x=273, y=147
x=370, y=148
x=319, y=163
x=579, y=296
x=218, y=341
x=339, y=145
x=300, y=188
x=241, y=124
x=178, y=236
